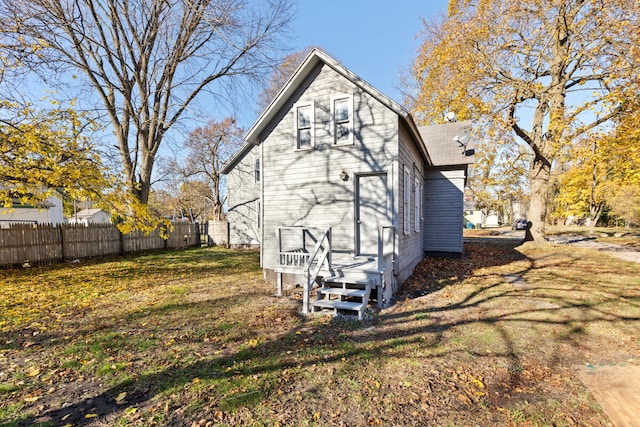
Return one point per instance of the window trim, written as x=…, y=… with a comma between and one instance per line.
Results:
x=406, y=214
x=417, y=203
x=349, y=98
x=296, y=107
x=258, y=209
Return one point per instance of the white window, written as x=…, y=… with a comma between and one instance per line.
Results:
x=407, y=201
x=417, y=200
x=256, y=169
x=342, y=114
x=303, y=126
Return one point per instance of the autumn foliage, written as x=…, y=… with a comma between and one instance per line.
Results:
x=45, y=151
x=547, y=71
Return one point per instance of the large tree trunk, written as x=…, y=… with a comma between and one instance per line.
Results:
x=540, y=174
x=595, y=208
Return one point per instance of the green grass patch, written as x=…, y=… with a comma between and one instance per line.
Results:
x=196, y=335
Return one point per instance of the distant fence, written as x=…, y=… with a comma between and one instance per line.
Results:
x=47, y=244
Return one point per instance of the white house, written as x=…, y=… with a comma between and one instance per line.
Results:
x=341, y=189
x=48, y=212
x=87, y=216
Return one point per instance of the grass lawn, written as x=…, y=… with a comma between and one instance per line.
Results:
x=195, y=337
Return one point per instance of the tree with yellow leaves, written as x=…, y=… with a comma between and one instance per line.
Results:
x=48, y=151
x=550, y=71
x=41, y=152
x=604, y=173
x=146, y=61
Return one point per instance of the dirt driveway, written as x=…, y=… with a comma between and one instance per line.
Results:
x=623, y=252
x=627, y=253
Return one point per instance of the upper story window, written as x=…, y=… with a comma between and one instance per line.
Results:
x=256, y=169
x=303, y=122
x=342, y=113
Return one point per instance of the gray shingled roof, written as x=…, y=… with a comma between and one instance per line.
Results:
x=442, y=149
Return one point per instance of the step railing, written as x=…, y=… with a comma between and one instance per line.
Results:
x=295, y=244
x=382, y=262
x=321, y=254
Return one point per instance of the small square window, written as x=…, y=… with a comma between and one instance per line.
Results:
x=304, y=126
x=342, y=112
x=304, y=117
x=342, y=133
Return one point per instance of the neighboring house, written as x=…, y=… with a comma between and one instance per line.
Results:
x=88, y=216
x=478, y=219
x=48, y=212
x=450, y=153
x=520, y=209
x=339, y=187
x=473, y=217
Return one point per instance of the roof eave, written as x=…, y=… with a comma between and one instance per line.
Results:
x=416, y=134
x=315, y=56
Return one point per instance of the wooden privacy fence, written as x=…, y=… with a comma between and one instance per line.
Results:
x=46, y=243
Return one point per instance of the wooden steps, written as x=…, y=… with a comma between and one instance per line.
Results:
x=360, y=293
x=340, y=293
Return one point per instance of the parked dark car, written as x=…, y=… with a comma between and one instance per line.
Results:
x=519, y=224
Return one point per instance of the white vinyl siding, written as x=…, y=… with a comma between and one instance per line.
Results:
x=410, y=251
x=304, y=187
x=342, y=119
x=243, y=201
x=443, y=208
x=407, y=201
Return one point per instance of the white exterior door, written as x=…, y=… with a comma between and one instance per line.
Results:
x=373, y=209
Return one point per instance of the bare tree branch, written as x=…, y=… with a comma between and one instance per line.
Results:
x=148, y=60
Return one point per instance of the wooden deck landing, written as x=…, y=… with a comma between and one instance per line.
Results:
x=617, y=389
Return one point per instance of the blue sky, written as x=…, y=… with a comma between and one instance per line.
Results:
x=375, y=39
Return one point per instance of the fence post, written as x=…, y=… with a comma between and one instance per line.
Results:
x=63, y=248
x=121, y=241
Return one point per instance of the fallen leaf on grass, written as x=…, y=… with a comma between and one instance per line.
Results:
x=91, y=416
x=477, y=382
x=121, y=396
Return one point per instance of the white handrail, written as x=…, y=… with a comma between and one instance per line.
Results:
x=325, y=255
x=381, y=245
